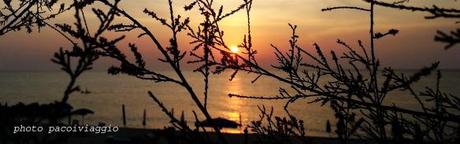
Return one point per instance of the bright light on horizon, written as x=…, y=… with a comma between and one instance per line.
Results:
x=234, y=49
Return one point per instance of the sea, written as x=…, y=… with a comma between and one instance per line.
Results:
x=107, y=93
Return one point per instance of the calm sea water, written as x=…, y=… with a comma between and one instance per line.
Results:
x=108, y=93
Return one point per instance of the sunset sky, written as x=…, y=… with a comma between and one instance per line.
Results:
x=412, y=48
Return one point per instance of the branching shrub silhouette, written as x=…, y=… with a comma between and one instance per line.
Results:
x=83, y=53
x=354, y=89
x=450, y=39
x=357, y=96
x=27, y=14
x=206, y=37
x=278, y=130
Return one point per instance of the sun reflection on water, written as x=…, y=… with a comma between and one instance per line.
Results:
x=234, y=105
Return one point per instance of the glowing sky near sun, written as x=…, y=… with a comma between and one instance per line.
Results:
x=412, y=48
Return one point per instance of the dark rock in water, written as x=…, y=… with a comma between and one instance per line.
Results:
x=219, y=122
x=82, y=112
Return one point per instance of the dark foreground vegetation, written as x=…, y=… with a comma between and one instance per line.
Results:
x=356, y=86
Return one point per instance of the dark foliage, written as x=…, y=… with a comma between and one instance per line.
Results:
x=356, y=85
x=206, y=38
x=26, y=14
x=272, y=129
x=450, y=39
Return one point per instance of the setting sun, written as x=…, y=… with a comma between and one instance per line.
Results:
x=234, y=49
x=235, y=71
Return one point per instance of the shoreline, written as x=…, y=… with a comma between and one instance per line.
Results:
x=163, y=136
